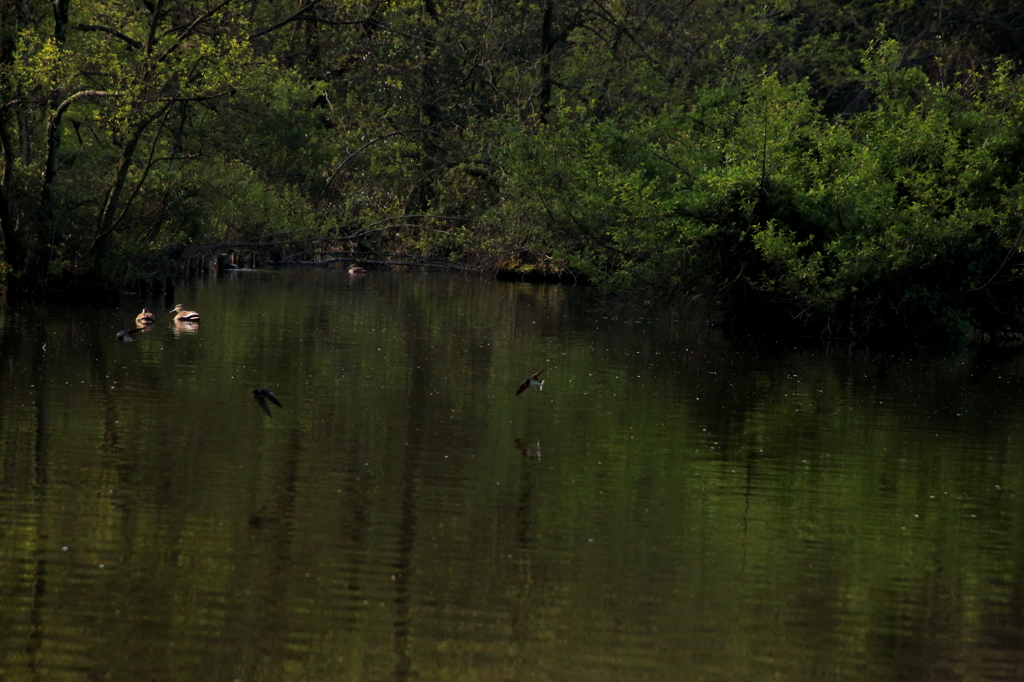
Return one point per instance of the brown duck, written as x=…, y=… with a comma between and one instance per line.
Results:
x=144, y=318
x=184, y=315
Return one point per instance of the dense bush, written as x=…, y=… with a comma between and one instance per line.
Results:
x=905, y=217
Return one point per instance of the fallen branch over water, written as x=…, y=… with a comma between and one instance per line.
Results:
x=387, y=263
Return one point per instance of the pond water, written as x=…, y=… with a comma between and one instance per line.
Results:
x=667, y=507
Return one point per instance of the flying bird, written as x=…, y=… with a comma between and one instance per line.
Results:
x=184, y=315
x=531, y=381
x=262, y=395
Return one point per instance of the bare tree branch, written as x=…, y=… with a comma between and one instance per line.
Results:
x=132, y=43
x=188, y=29
x=12, y=103
x=370, y=144
x=297, y=15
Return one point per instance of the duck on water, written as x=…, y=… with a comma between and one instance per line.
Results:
x=184, y=315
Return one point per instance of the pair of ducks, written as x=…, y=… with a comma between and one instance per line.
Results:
x=181, y=315
x=144, y=319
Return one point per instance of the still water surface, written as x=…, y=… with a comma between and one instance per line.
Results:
x=668, y=507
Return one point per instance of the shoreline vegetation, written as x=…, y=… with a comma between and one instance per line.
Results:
x=833, y=168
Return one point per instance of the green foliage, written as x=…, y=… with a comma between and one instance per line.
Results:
x=904, y=218
x=852, y=166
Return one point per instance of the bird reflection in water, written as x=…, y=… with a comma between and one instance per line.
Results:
x=128, y=335
x=526, y=450
x=262, y=519
x=185, y=327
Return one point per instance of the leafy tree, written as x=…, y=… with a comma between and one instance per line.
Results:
x=148, y=90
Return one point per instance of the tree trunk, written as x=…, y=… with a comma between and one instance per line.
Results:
x=13, y=248
x=13, y=17
x=106, y=221
x=48, y=201
x=428, y=113
x=61, y=12
x=547, y=44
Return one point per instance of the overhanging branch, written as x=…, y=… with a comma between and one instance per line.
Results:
x=285, y=22
x=132, y=43
x=370, y=144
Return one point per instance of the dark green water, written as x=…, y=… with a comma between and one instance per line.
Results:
x=667, y=508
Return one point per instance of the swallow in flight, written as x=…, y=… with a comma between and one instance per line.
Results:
x=531, y=381
x=262, y=395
